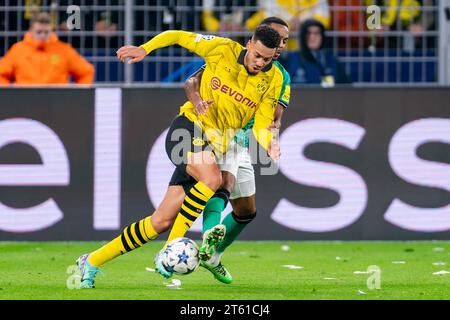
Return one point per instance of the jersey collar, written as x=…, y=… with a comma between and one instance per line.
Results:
x=242, y=56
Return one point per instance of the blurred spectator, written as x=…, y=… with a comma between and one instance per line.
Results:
x=12, y=20
x=41, y=58
x=396, y=12
x=104, y=22
x=349, y=16
x=292, y=11
x=31, y=9
x=425, y=22
x=173, y=15
x=317, y=65
x=226, y=15
x=404, y=15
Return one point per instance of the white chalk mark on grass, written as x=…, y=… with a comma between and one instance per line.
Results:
x=291, y=266
x=441, y=272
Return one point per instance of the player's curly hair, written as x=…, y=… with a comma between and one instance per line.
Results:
x=268, y=36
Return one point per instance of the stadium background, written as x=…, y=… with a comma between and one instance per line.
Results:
x=377, y=151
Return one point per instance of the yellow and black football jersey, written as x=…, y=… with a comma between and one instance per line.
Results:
x=238, y=96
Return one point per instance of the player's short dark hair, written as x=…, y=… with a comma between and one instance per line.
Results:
x=268, y=36
x=268, y=21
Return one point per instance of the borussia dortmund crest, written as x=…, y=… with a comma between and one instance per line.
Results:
x=262, y=86
x=198, y=142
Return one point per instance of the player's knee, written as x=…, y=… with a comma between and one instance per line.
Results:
x=228, y=181
x=244, y=206
x=213, y=180
x=245, y=210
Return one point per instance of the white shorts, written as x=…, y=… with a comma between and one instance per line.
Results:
x=238, y=162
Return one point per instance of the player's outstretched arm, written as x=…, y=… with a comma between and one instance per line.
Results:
x=192, y=89
x=165, y=39
x=135, y=54
x=197, y=43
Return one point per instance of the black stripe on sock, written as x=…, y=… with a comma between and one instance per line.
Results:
x=245, y=219
x=190, y=206
x=130, y=236
x=145, y=231
x=197, y=189
x=196, y=200
x=124, y=242
x=223, y=194
x=187, y=215
x=138, y=232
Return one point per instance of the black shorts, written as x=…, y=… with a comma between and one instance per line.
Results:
x=182, y=138
x=181, y=178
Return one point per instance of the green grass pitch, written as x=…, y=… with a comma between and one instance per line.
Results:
x=38, y=270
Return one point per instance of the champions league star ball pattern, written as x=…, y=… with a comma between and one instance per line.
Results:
x=181, y=256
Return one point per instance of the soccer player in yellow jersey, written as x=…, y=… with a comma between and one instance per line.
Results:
x=238, y=175
x=243, y=84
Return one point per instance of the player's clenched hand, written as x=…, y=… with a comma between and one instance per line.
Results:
x=274, y=150
x=201, y=106
x=136, y=54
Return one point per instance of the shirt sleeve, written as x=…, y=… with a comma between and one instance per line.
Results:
x=7, y=67
x=264, y=116
x=285, y=94
x=200, y=44
x=79, y=67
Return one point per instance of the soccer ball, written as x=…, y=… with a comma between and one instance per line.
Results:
x=181, y=256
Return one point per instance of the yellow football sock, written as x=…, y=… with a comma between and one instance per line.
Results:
x=132, y=237
x=193, y=205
